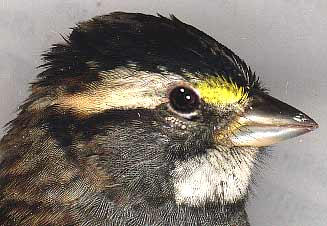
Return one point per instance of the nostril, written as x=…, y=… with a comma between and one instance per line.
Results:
x=301, y=118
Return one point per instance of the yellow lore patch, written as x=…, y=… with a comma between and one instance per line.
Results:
x=220, y=91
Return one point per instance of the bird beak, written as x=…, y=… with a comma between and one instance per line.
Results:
x=269, y=121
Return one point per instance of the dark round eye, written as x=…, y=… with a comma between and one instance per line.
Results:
x=184, y=100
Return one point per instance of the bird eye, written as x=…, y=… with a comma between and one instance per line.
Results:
x=184, y=100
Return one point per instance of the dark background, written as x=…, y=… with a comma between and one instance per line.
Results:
x=284, y=41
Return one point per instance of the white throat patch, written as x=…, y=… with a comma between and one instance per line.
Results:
x=218, y=176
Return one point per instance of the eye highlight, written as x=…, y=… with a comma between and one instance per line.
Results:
x=184, y=100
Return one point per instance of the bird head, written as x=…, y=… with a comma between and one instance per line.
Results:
x=136, y=112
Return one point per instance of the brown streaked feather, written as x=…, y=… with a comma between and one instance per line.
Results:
x=142, y=90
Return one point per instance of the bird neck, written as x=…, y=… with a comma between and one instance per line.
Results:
x=161, y=212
